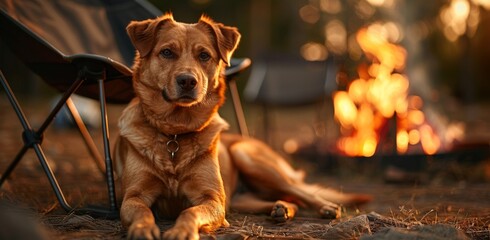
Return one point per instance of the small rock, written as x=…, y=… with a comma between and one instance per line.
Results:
x=424, y=232
x=350, y=229
x=19, y=223
x=380, y=220
x=227, y=236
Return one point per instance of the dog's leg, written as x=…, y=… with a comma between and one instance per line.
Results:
x=190, y=221
x=140, y=192
x=136, y=213
x=280, y=211
x=269, y=174
x=204, y=190
x=346, y=199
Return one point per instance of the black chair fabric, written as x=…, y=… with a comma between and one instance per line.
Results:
x=52, y=37
x=289, y=81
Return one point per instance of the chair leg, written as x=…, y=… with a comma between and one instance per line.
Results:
x=89, y=142
x=61, y=103
x=240, y=117
x=13, y=101
x=23, y=120
x=32, y=139
x=107, y=152
x=52, y=179
x=13, y=164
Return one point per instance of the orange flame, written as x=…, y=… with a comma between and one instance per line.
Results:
x=364, y=108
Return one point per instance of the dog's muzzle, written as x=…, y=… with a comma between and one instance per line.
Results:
x=186, y=82
x=185, y=89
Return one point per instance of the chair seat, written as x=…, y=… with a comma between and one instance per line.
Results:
x=118, y=83
x=237, y=65
x=59, y=70
x=289, y=81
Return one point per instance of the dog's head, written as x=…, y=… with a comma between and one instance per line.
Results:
x=183, y=62
x=178, y=70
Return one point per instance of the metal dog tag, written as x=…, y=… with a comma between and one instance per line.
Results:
x=173, y=146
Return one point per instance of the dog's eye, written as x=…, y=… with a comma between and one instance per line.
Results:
x=167, y=53
x=204, y=56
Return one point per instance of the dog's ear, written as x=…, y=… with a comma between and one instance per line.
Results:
x=227, y=38
x=143, y=33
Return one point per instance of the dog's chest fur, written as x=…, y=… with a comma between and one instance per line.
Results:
x=152, y=144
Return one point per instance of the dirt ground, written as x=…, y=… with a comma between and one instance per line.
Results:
x=459, y=196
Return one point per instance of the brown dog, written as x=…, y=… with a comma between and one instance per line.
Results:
x=173, y=156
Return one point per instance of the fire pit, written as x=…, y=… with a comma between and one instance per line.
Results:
x=382, y=126
x=376, y=110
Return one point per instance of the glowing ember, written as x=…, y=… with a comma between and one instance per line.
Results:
x=368, y=104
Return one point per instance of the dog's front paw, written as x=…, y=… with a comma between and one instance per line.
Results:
x=181, y=233
x=144, y=231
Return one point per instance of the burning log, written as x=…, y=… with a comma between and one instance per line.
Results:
x=376, y=112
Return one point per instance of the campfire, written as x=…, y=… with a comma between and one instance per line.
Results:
x=377, y=113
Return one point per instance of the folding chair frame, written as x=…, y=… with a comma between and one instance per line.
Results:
x=237, y=66
x=33, y=139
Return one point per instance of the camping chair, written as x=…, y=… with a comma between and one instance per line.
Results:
x=86, y=74
x=288, y=81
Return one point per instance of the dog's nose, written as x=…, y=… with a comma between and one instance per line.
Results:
x=186, y=82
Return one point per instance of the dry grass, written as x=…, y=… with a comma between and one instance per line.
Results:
x=459, y=203
x=260, y=227
x=476, y=227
